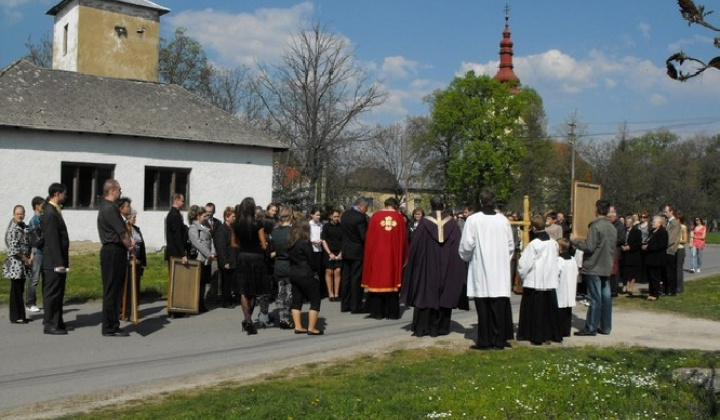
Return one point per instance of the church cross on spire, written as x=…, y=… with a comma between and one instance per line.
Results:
x=505, y=72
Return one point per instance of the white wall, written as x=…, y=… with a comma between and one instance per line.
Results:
x=31, y=160
x=68, y=16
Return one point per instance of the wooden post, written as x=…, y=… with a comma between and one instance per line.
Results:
x=525, y=229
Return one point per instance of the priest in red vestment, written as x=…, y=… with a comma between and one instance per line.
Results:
x=386, y=248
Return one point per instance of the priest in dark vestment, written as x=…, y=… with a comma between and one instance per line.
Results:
x=386, y=249
x=435, y=275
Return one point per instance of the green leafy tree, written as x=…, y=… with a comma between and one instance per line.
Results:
x=182, y=61
x=477, y=135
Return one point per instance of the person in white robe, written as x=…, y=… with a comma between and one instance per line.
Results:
x=538, y=269
x=567, y=286
x=487, y=244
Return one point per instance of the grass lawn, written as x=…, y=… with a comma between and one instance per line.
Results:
x=526, y=382
x=712, y=238
x=85, y=284
x=700, y=299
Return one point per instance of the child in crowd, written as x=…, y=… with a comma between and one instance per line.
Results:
x=538, y=269
x=567, y=286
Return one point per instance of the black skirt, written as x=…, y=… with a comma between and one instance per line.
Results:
x=252, y=275
x=539, y=321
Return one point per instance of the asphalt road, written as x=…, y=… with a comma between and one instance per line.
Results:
x=43, y=376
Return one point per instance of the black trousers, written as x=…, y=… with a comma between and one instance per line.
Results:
x=495, y=325
x=654, y=275
x=670, y=286
x=227, y=287
x=305, y=288
x=16, y=301
x=113, y=264
x=351, y=291
x=53, y=296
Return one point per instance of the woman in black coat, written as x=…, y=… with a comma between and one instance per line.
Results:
x=631, y=258
x=655, y=250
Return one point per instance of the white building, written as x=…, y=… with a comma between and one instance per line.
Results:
x=155, y=139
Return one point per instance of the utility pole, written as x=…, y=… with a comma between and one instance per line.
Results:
x=572, y=161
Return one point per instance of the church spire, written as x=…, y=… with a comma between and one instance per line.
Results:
x=505, y=72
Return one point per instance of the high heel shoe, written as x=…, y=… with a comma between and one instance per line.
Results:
x=249, y=327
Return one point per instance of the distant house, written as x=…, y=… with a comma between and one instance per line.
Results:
x=378, y=184
x=80, y=126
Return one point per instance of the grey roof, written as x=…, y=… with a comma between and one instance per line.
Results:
x=46, y=99
x=141, y=3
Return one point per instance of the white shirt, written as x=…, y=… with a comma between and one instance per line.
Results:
x=538, y=265
x=567, y=282
x=487, y=243
x=315, y=232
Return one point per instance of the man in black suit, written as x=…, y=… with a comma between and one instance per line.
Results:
x=116, y=242
x=212, y=222
x=176, y=231
x=55, y=260
x=354, y=224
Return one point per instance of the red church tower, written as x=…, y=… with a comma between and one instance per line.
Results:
x=505, y=73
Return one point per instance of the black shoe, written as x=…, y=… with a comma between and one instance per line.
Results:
x=585, y=333
x=54, y=331
x=249, y=327
x=603, y=332
x=117, y=333
x=319, y=332
x=285, y=325
x=476, y=347
x=301, y=332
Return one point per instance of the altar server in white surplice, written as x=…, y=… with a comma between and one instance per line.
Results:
x=567, y=286
x=538, y=268
x=487, y=244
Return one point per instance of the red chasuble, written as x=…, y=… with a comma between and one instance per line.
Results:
x=385, y=252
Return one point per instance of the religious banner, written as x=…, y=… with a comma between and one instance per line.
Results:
x=184, y=289
x=584, y=197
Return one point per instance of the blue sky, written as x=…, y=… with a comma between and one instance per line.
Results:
x=603, y=61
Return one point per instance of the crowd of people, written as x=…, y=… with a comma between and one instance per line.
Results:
x=434, y=262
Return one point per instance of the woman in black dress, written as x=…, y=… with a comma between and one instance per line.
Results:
x=252, y=270
x=332, y=242
x=655, y=250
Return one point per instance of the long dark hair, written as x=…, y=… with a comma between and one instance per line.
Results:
x=245, y=212
x=300, y=230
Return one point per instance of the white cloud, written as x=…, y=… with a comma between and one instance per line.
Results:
x=10, y=8
x=244, y=38
x=11, y=4
x=682, y=44
x=657, y=100
x=644, y=29
x=398, y=67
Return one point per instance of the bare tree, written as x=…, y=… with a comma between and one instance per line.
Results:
x=40, y=54
x=694, y=14
x=314, y=97
x=392, y=148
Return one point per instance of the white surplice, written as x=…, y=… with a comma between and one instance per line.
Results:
x=538, y=265
x=487, y=243
x=567, y=284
